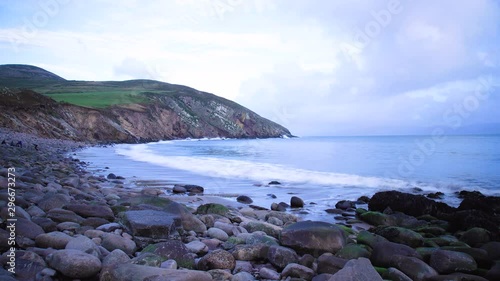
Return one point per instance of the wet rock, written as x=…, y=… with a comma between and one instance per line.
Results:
x=51, y=201
x=384, y=253
x=150, y=223
x=269, y=229
x=281, y=256
x=493, y=250
x=196, y=189
x=274, y=183
x=345, y=204
x=111, y=176
x=112, y=241
x=46, y=224
x=148, y=259
x=116, y=256
x=370, y=239
x=413, y=205
x=56, y=240
x=401, y=235
x=172, y=249
x=396, y=275
x=313, y=237
x=357, y=270
x=267, y=273
x=244, y=199
x=353, y=251
x=328, y=263
x=179, y=189
x=61, y=215
x=84, y=244
x=109, y=227
x=244, y=276
x=253, y=252
x=169, y=264
x=28, y=229
x=74, y=263
x=217, y=233
x=218, y=259
x=297, y=271
x=197, y=247
x=133, y=272
x=475, y=236
x=378, y=219
x=86, y=211
x=296, y=202
x=212, y=208
x=414, y=268
x=449, y=261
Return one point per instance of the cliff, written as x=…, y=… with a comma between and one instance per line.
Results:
x=128, y=111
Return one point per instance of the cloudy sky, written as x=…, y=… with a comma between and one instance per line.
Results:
x=339, y=67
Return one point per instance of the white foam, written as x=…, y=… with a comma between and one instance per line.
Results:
x=261, y=172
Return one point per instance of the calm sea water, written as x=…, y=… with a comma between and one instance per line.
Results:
x=320, y=170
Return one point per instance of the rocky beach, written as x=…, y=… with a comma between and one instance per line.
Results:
x=69, y=224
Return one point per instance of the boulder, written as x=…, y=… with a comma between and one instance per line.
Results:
x=252, y=252
x=475, y=236
x=353, y=251
x=401, y=235
x=150, y=223
x=197, y=247
x=217, y=233
x=384, y=253
x=27, y=228
x=244, y=199
x=84, y=244
x=345, y=204
x=413, y=205
x=328, y=263
x=297, y=271
x=378, y=219
x=61, y=215
x=100, y=211
x=51, y=201
x=174, y=250
x=111, y=241
x=449, y=261
x=269, y=229
x=414, y=268
x=281, y=256
x=218, y=259
x=359, y=269
x=74, y=263
x=55, y=239
x=133, y=272
x=313, y=237
x=296, y=202
x=115, y=257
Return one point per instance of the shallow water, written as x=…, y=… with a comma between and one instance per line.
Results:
x=320, y=170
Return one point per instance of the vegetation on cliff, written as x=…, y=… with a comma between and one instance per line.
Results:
x=39, y=102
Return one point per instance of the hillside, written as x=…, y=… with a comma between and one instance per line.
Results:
x=39, y=102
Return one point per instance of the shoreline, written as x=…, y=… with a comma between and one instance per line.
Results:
x=71, y=225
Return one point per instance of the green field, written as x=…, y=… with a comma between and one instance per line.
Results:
x=99, y=99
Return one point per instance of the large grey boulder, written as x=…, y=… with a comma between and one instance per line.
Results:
x=313, y=237
x=74, y=263
x=84, y=244
x=55, y=239
x=150, y=223
x=172, y=249
x=100, y=211
x=414, y=268
x=384, y=254
x=134, y=272
x=111, y=241
x=218, y=259
x=450, y=261
x=27, y=228
x=281, y=256
x=357, y=270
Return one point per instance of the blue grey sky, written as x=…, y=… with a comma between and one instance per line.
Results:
x=339, y=67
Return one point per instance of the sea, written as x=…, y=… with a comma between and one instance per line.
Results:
x=319, y=170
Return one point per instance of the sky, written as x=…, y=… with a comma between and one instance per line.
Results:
x=339, y=67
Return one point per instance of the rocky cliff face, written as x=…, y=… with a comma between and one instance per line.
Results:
x=160, y=117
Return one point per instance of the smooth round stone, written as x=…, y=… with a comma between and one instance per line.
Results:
x=217, y=233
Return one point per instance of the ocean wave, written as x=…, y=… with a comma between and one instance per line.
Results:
x=261, y=172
